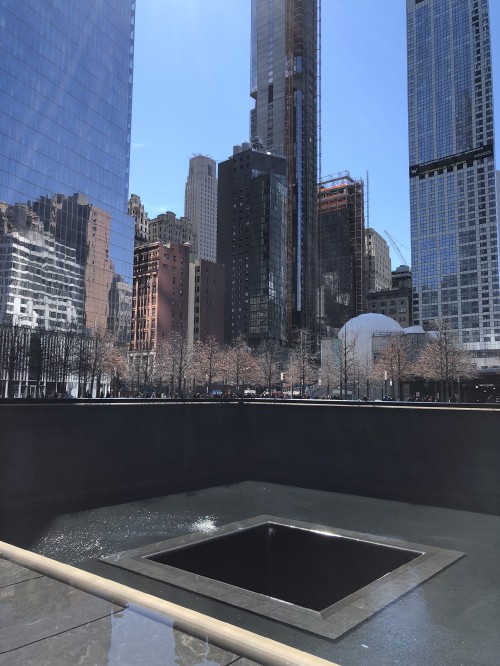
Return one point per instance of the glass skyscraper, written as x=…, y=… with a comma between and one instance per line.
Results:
x=65, y=116
x=283, y=83
x=452, y=170
x=252, y=244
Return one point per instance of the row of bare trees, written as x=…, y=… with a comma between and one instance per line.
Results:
x=436, y=356
x=46, y=362
x=188, y=370
x=49, y=361
x=441, y=360
x=56, y=360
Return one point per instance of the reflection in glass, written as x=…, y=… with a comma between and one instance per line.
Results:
x=66, y=242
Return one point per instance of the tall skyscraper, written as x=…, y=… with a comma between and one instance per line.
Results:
x=200, y=204
x=251, y=243
x=452, y=170
x=284, y=121
x=65, y=117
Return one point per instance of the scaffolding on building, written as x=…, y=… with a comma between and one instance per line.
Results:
x=341, y=198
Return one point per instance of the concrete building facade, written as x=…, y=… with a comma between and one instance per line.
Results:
x=167, y=228
x=200, y=204
x=377, y=262
x=395, y=302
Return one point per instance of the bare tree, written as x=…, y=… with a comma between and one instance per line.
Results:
x=330, y=365
x=347, y=355
x=268, y=360
x=14, y=355
x=210, y=360
x=176, y=359
x=100, y=355
x=240, y=363
x=64, y=357
x=117, y=365
x=301, y=358
x=444, y=360
x=395, y=362
x=141, y=370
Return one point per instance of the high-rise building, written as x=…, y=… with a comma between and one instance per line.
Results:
x=66, y=89
x=252, y=244
x=452, y=170
x=377, y=262
x=284, y=121
x=342, y=247
x=200, y=204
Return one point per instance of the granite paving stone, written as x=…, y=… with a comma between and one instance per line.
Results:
x=11, y=573
x=42, y=607
x=123, y=638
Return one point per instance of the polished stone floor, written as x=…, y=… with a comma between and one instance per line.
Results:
x=47, y=623
x=452, y=618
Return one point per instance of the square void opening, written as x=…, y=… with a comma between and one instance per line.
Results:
x=313, y=577
x=302, y=567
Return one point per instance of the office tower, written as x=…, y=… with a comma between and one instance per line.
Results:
x=284, y=121
x=66, y=87
x=200, y=204
x=452, y=170
x=167, y=227
x=140, y=217
x=252, y=244
x=377, y=269
x=341, y=229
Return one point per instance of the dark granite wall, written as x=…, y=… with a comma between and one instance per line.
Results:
x=85, y=452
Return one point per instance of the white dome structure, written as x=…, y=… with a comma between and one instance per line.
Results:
x=413, y=329
x=359, y=332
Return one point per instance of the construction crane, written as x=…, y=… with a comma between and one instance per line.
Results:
x=396, y=247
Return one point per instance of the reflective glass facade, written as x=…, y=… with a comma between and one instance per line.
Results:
x=452, y=171
x=65, y=114
x=283, y=83
x=252, y=244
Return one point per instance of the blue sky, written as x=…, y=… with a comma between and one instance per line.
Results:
x=191, y=95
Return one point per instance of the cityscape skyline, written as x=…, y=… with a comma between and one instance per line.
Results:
x=377, y=143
